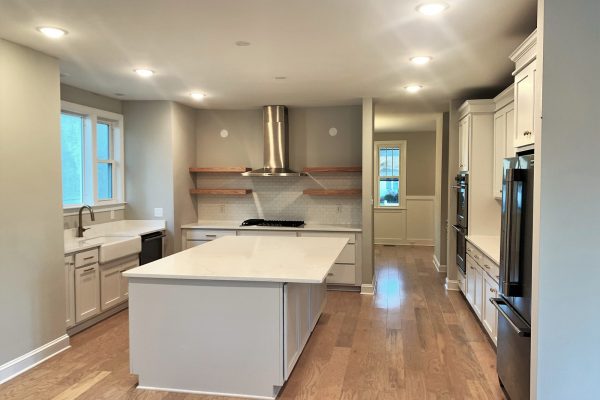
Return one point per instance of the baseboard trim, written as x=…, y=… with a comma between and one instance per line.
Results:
x=437, y=265
x=161, y=389
x=404, y=242
x=367, y=288
x=37, y=356
x=452, y=285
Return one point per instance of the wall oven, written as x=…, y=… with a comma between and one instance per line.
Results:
x=462, y=210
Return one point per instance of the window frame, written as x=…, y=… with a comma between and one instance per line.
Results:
x=401, y=145
x=91, y=117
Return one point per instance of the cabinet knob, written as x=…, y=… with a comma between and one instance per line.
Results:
x=476, y=257
x=526, y=133
x=486, y=266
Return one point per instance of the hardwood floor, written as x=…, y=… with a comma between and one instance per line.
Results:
x=412, y=340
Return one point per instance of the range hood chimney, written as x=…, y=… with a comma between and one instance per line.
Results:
x=276, y=151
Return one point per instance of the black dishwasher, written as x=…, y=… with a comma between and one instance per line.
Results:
x=152, y=247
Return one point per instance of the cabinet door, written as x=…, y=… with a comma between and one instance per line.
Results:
x=489, y=316
x=124, y=280
x=525, y=88
x=318, y=294
x=110, y=287
x=471, y=277
x=70, y=290
x=500, y=122
x=478, y=294
x=297, y=323
x=87, y=292
x=463, y=143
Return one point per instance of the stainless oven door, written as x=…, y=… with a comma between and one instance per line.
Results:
x=461, y=248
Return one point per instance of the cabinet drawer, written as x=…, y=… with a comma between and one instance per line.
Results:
x=351, y=236
x=490, y=268
x=209, y=234
x=344, y=274
x=462, y=283
x=267, y=233
x=348, y=255
x=193, y=243
x=86, y=258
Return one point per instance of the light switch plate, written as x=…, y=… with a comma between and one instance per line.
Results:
x=112, y=214
x=158, y=212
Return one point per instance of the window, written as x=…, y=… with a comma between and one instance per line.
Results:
x=92, y=156
x=390, y=174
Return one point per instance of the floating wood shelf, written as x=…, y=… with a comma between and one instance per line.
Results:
x=220, y=170
x=222, y=192
x=333, y=192
x=324, y=170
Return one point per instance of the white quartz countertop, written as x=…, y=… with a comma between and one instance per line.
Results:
x=117, y=228
x=489, y=245
x=249, y=258
x=306, y=227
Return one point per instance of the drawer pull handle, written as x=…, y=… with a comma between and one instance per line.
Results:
x=330, y=274
x=88, y=269
x=486, y=266
x=88, y=258
x=211, y=235
x=476, y=257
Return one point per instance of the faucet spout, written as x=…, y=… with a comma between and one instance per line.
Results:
x=80, y=228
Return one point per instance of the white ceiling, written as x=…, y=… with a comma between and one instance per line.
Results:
x=332, y=52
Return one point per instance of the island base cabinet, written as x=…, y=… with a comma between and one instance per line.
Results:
x=219, y=337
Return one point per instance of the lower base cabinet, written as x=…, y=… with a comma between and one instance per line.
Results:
x=87, y=292
x=70, y=290
x=113, y=285
x=489, y=316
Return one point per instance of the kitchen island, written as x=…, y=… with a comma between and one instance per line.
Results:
x=230, y=317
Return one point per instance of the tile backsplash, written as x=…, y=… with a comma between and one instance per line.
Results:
x=280, y=198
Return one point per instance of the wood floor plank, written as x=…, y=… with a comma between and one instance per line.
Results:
x=412, y=340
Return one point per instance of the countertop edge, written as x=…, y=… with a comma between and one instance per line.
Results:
x=309, y=228
x=483, y=249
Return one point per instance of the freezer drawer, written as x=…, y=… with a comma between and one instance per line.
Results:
x=513, y=351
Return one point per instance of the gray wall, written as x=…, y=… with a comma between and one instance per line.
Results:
x=566, y=326
x=32, y=284
x=184, y=156
x=149, y=162
x=420, y=160
x=310, y=142
x=444, y=191
x=90, y=99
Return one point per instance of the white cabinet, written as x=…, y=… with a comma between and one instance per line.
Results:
x=318, y=295
x=464, y=136
x=504, y=132
x=113, y=285
x=266, y=233
x=489, y=316
x=525, y=103
x=70, y=290
x=297, y=323
x=527, y=92
x=87, y=292
x=478, y=293
x=471, y=277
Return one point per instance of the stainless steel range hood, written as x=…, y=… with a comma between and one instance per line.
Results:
x=276, y=136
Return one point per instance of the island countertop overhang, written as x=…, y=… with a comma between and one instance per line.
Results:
x=249, y=259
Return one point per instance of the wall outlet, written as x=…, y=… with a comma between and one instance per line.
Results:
x=112, y=214
x=158, y=212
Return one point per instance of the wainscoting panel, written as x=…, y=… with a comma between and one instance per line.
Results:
x=412, y=226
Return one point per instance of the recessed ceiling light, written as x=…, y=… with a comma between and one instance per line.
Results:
x=52, y=32
x=420, y=60
x=242, y=43
x=119, y=94
x=197, y=96
x=432, y=8
x=413, y=88
x=144, y=72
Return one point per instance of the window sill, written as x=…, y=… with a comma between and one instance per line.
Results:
x=389, y=209
x=99, y=208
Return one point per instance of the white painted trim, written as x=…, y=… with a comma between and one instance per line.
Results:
x=437, y=265
x=245, y=396
x=404, y=242
x=367, y=288
x=402, y=145
x=37, y=356
x=452, y=285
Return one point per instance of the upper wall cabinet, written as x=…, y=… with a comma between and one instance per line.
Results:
x=464, y=136
x=526, y=93
x=504, y=132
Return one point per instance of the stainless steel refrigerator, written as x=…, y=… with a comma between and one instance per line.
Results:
x=514, y=301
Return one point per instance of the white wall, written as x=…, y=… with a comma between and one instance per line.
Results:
x=32, y=284
x=566, y=319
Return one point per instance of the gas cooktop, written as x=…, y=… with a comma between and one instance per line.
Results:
x=274, y=223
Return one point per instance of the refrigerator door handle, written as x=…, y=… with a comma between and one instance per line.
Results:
x=458, y=228
x=496, y=302
x=511, y=286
